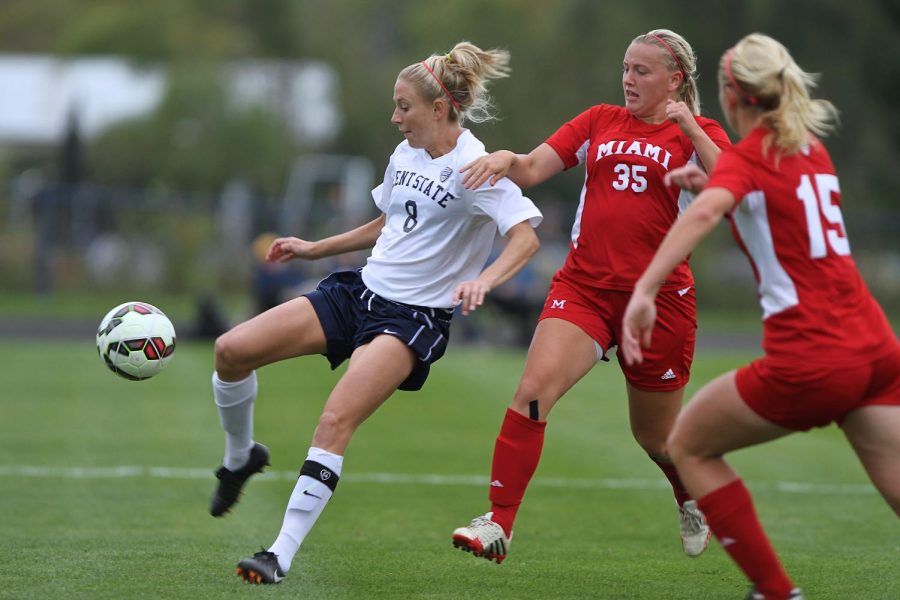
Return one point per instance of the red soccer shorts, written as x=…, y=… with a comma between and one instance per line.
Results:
x=667, y=363
x=797, y=395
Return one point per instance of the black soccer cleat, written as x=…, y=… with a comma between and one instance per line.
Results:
x=262, y=567
x=231, y=482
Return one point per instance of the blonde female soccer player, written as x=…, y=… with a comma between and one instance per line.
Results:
x=392, y=317
x=624, y=211
x=830, y=354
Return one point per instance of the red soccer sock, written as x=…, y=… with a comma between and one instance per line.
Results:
x=668, y=469
x=731, y=517
x=516, y=455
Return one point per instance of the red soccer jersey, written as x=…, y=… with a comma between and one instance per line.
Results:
x=788, y=221
x=625, y=210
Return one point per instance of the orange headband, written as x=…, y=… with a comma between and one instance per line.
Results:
x=672, y=52
x=441, y=83
x=730, y=75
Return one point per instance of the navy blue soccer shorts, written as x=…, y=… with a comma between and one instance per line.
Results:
x=351, y=315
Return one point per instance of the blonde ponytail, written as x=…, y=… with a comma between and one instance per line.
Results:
x=461, y=77
x=765, y=75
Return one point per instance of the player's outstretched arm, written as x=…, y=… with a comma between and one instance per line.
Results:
x=525, y=170
x=522, y=245
x=362, y=238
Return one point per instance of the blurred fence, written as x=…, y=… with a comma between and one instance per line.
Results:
x=87, y=238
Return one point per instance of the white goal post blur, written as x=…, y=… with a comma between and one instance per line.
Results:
x=326, y=194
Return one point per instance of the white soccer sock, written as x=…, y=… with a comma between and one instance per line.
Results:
x=312, y=492
x=235, y=403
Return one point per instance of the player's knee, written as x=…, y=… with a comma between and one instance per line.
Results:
x=227, y=352
x=652, y=443
x=681, y=448
x=332, y=428
x=532, y=387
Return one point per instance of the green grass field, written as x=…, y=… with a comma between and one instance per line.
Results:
x=105, y=486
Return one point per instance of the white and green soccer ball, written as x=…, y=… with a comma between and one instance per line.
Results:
x=136, y=340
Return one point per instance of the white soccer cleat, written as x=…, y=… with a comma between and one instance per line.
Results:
x=694, y=530
x=796, y=594
x=483, y=538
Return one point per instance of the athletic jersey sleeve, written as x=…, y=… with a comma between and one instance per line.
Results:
x=505, y=205
x=718, y=136
x=570, y=140
x=382, y=192
x=733, y=174
x=715, y=132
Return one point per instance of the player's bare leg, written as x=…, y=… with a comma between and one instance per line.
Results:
x=288, y=330
x=652, y=415
x=874, y=433
x=284, y=331
x=714, y=422
x=561, y=353
x=376, y=370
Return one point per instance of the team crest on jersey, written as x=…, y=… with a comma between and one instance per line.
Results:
x=446, y=172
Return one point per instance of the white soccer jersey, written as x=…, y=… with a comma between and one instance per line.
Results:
x=437, y=233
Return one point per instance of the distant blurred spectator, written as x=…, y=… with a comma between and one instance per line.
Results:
x=272, y=283
x=520, y=300
x=211, y=323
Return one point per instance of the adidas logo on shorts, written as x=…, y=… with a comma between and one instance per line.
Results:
x=668, y=375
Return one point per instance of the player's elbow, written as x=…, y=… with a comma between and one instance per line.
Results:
x=710, y=206
x=703, y=217
x=529, y=176
x=534, y=246
x=528, y=240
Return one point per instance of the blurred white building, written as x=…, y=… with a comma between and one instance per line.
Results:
x=38, y=93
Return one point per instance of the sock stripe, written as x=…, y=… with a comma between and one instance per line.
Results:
x=320, y=472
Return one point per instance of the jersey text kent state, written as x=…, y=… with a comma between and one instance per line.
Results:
x=634, y=147
x=427, y=186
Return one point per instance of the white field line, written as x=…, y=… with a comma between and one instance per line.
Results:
x=132, y=471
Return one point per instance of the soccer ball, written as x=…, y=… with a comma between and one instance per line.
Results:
x=136, y=340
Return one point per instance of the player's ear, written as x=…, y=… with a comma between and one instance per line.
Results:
x=439, y=108
x=730, y=97
x=675, y=81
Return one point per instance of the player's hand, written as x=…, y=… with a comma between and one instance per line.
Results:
x=637, y=327
x=690, y=177
x=493, y=167
x=288, y=248
x=470, y=294
x=679, y=113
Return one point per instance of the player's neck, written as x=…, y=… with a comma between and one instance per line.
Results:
x=746, y=121
x=655, y=117
x=444, y=142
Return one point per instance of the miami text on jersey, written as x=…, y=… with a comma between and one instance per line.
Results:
x=635, y=147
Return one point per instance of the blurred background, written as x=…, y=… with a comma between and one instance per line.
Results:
x=150, y=151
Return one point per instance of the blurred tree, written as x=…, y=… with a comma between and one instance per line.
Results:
x=195, y=140
x=566, y=56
